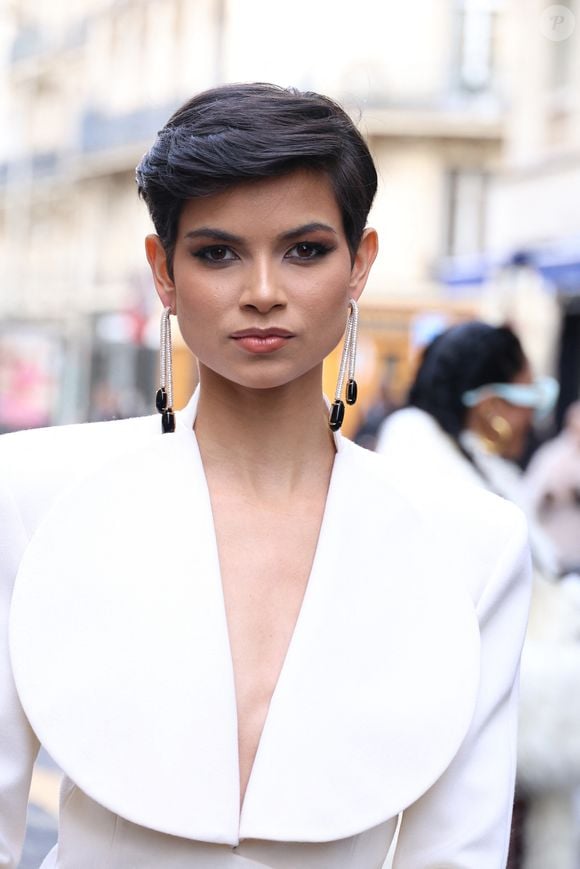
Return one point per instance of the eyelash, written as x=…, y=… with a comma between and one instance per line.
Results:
x=318, y=247
x=204, y=254
x=319, y=250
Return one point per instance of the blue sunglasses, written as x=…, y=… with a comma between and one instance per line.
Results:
x=541, y=395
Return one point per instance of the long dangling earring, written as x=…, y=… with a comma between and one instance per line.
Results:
x=347, y=364
x=164, y=397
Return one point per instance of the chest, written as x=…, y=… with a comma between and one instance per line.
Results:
x=265, y=556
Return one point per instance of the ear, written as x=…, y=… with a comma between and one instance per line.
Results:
x=480, y=416
x=364, y=258
x=492, y=406
x=157, y=259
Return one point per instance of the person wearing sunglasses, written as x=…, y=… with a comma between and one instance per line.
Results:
x=508, y=423
x=471, y=407
x=474, y=395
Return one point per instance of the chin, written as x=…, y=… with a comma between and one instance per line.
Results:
x=258, y=380
x=264, y=377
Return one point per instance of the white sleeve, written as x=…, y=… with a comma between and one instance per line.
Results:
x=18, y=744
x=463, y=821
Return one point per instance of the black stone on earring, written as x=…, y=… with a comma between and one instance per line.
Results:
x=351, y=391
x=161, y=400
x=167, y=421
x=336, y=415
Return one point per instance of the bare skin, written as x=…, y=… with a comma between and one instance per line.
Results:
x=519, y=420
x=262, y=426
x=267, y=516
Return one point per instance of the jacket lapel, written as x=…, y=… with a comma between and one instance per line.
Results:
x=379, y=683
x=122, y=660
x=119, y=643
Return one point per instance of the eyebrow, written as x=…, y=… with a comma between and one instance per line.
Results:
x=217, y=234
x=305, y=228
x=230, y=238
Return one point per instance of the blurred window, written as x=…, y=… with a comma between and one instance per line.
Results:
x=465, y=206
x=475, y=44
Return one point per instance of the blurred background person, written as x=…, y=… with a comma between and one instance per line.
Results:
x=552, y=487
x=470, y=409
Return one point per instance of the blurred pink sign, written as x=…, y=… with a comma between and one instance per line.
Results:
x=30, y=361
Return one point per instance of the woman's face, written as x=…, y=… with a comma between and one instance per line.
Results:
x=519, y=420
x=262, y=275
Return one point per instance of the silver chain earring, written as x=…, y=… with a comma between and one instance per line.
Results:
x=347, y=365
x=164, y=397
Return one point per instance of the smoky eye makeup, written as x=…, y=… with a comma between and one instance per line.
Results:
x=215, y=254
x=309, y=250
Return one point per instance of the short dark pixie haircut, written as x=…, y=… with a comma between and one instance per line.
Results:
x=245, y=132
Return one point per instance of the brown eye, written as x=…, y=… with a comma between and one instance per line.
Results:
x=308, y=250
x=217, y=253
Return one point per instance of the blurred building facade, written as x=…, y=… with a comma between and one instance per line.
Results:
x=530, y=268
x=85, y=87
x=535, y=206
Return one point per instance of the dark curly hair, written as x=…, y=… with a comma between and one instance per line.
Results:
x=240, y=132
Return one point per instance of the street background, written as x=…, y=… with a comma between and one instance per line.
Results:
x=471, y=109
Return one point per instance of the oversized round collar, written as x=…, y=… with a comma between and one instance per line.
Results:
x=121, y=656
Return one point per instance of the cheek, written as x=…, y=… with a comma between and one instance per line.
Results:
x=325, y=321
x=326, y=297
x=199, y=298
x=521, y=420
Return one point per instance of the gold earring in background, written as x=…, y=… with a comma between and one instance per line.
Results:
x=503, y=431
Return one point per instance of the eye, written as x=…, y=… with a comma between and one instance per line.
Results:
x=216, y=253
x=307, y=250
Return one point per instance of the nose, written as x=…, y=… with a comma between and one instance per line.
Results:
x=263, y=290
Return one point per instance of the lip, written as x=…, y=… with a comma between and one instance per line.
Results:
x=256, y=332
x=262, y=341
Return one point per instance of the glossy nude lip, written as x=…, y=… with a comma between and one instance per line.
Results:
x=262, y=340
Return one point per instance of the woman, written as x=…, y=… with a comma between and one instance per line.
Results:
x=205, y=630
x=470, y=410
x=473, y=402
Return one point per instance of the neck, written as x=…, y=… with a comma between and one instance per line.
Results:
x=268, y=440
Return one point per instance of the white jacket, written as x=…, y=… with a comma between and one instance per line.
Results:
x=397, y=693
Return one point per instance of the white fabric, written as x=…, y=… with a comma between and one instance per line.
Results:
x=415, y=449
x=554, y=472
x=420, y=455
x=397, y=691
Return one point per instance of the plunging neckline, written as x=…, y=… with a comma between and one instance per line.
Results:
x=188, y=417
x=127, y=542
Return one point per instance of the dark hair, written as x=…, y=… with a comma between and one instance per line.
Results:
x=461, y=358
x=240, y=132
